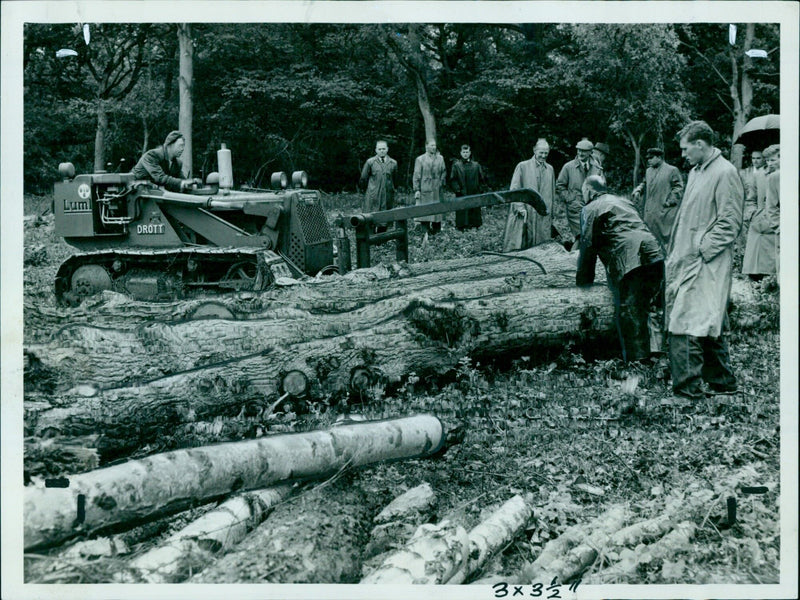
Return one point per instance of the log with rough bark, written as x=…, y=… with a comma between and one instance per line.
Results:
x=317, y=536
x=134, y=367
x=192, y=548
x=133, y=382
x=162, y=483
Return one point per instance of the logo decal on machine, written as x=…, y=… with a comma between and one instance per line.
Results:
x=84, y=191
x=154, y=227
x=150, y=229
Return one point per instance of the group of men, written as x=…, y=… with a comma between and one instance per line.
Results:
x=466, y=177
x=668, y=252
x=762, y=212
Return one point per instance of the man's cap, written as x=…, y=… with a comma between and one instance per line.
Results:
x=584, y=144
x=172, y=136
x=603, y=147
x=654, y=152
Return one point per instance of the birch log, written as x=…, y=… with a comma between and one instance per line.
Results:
x=316, y=536
x=164, y=483
x=673, y=542
x=497, y=531
x=435, y=554
x=397, y=522
x=198, y=544
x=568, y=554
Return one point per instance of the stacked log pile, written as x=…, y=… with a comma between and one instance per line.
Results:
x=129, y=368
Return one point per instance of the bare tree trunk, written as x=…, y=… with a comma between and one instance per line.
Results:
x=637, y=154
x=425, y=108
x=100, y=136
x=741, y=88
x=186, y=84
x=145, y=134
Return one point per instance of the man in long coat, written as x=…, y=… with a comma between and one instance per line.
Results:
x=378, y=177
x=612, y=230
x=570, y=181
x=751, y=176
x=525, y=227
x=698, y=267
x=661, y=193
x=163, y=165
x=428, y=182
x=467, y=178
x=760, y=249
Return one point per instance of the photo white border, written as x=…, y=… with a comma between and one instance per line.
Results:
x=15, y=14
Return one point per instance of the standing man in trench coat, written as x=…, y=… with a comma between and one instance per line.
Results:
x=698, y=268
x=760, y=249
x=536, y=174
x=570, y=181
x=428, y=182
x=467, y=178
x=661, y=190
x=378, y=177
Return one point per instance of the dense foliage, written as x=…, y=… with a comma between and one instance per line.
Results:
x=317, y=96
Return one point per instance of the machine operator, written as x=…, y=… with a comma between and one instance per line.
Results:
x=163, y=165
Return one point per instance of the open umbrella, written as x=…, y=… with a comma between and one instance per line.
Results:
x=760, y=132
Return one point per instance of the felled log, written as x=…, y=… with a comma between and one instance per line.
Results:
x=397, y=522
x=497, y=531
x=164, y=483
x=316, y=536
x=198, y=544
x=177, y=381
x=114, y=348
x=673, y=542
x=329, y=295
x=574, y=550
x=436, y=553
x=129, y=382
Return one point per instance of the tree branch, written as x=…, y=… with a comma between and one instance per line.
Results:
x=721, y=99
x=705, y=58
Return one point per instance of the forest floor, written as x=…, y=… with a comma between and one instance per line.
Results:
x=577, y=428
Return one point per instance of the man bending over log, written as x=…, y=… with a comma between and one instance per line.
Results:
x=612, y=230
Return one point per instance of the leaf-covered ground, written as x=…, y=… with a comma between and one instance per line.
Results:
x=579, y=429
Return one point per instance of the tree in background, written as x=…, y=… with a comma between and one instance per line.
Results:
x=632, y=75
x=114, y=60
x=732, y=86
x=288, y=96
x=185, y=83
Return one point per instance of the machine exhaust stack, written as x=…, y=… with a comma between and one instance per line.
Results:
x=225, y=168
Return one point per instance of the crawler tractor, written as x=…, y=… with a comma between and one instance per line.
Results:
x=156, y=245
x=152, y=244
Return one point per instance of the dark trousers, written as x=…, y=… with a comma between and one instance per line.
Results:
x=471, y=217
x=637, y=300
x=696, y=359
